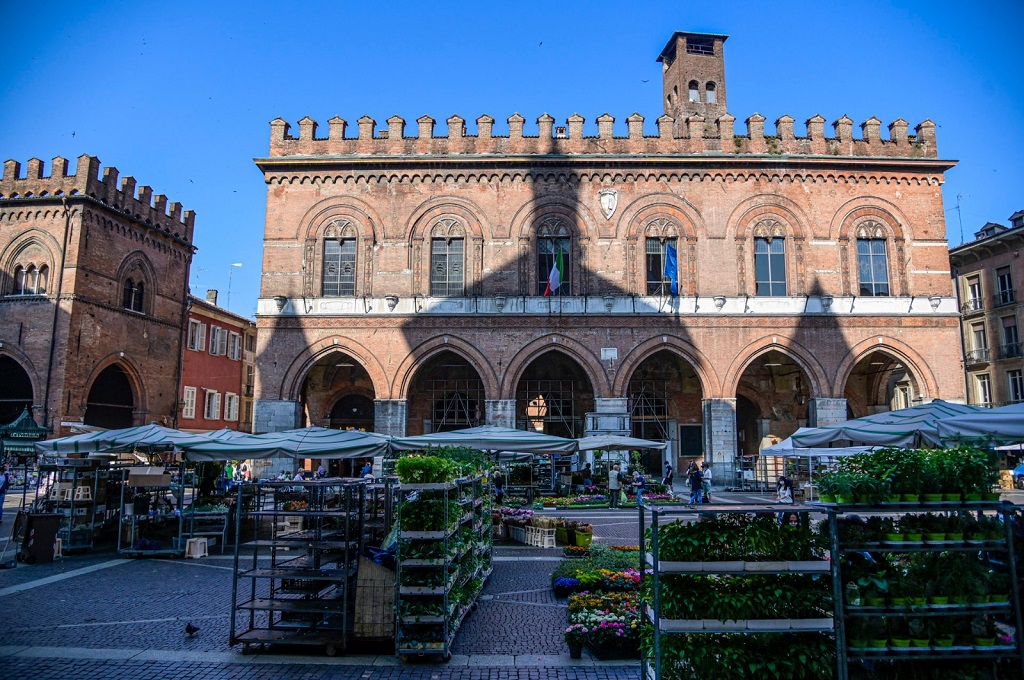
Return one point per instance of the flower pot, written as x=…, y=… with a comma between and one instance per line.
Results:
x=951, y=497
x=913, y=538
x=901, y=643
x=583, y=539
x=561, y=537
x=900, y=601
x=972, y=497
x=894, y=538
x=991, y=496
x=918, y=601
x=878, y=643
x=847, y=499
x=954, y=537
x=984, y=642
x=919, y=643
x=1002, y=597
x=857, y=643
x=826, y=498
x=938, y=599
x=934, y=538
x=575, y=651
x=942, y=642
x=911, y=497
x=874, y=601
x=958, y=599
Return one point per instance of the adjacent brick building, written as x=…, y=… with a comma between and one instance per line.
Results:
x=404, y=274
x=218, y=368
x=987, y=272
x=93, y=285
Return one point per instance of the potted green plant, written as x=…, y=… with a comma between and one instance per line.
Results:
x=984, y=631
x=575, y=636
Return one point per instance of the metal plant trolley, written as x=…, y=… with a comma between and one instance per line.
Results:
x=444, y=558
x=1002, y=546
x=295, y=582
x=151, y=520
x=657, y=516
x=80, y=493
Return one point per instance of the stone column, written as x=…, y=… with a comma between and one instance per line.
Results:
x=390, y=416
x=274, y=415
x=500, y=412
x=826, y=411
x=720, y=439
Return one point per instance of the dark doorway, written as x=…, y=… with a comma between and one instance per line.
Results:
x=353, y=412
x=553, y=395
x=15, y=390
x=110, y=403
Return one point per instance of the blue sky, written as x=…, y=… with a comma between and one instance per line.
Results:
x=180, y=94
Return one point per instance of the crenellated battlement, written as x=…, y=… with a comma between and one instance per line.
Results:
x=138, y=201
x=701, y=137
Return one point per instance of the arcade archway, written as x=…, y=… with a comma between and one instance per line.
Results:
x=111, y=402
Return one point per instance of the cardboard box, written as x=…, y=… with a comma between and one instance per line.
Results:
x=148, y=476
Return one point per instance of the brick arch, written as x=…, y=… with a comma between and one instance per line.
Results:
x=882, y=216
x=341, y=216
x=425, y=351
x=137, y=261
x=28, y=239
x=320, y=214
x=295, y=374
x=641, y=216
x=709, y=380
x=581, y=225
x=912, y=360
x=577, y=351
x=802, y=356
x=778, y=214
x=471, y=219
x=131, y=370
x=23, y=360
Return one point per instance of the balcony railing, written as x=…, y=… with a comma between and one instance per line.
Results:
x=1010, y=350
x=977, y=356
x=972, y=306
x=1005, y=297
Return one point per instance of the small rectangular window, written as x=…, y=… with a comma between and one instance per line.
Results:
x=1004, y=286
x=657, y=282
x=770, y=266
x=983, y=385
x=447, y=259
x=1015, y=385
x=188, y=409
x=195, y=330
x=339, y=267
x=231, y=406
x=872, y=266
x=234, y=346
x=211, y=408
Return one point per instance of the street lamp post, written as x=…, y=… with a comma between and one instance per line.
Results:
x=231, y=270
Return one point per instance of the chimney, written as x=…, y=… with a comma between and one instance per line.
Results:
x=211, y=297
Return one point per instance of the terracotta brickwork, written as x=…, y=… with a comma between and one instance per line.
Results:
x=109, y=308
x=716, y=192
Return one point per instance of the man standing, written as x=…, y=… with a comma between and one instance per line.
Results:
x=614, y=486
x=707, y=474
x=696, y=481
x=667, y=480
x=5, y=484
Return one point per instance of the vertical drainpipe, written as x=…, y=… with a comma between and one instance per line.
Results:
x=960, y=325
x=56, y=312
x=182, y=335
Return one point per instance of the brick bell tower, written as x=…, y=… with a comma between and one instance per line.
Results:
x=693, y=69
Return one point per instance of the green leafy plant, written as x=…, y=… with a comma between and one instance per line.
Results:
x=416, y=469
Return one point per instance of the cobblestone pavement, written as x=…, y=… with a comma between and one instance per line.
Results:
x=97, y=615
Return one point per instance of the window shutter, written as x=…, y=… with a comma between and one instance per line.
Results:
x=201, y=335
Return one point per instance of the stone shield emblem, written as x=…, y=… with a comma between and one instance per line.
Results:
x=609, y=199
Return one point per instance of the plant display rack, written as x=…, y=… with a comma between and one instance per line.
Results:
x=80, y=493
x=295, y=583
x=211, y=524
x=651, y=668
x=997, y=545
x=444, y=557
x=152, y=528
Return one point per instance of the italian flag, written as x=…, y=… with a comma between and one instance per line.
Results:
x=557, y=274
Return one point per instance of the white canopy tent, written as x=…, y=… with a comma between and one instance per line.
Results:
x=906, y=427
x=1004, y=425
x=614, y=442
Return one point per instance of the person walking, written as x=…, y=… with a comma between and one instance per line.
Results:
x=667, y=479
x=707, y=474
x=614, y=486
x=639, y=483
x=696, y=481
